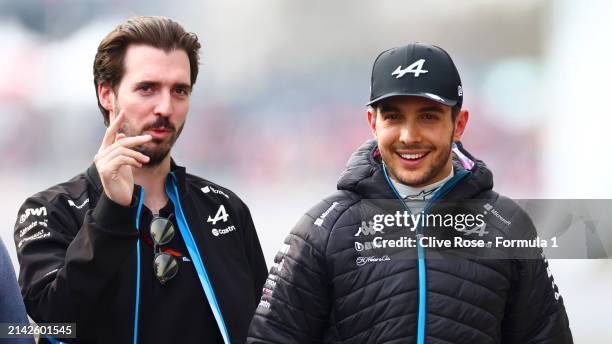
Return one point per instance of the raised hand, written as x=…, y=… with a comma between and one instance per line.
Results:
x=115, y=160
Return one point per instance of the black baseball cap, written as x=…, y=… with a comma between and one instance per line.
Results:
x=416, y=69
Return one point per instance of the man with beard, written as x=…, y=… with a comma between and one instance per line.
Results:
x=135, y=249
x=333, y=282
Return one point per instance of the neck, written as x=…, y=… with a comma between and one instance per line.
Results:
x=422, y=192
x=153, y=180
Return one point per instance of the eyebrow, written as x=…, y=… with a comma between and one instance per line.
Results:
x=389, y=108
x=431, y=109
x=157, y=83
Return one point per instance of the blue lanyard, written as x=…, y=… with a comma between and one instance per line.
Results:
x=194, y=254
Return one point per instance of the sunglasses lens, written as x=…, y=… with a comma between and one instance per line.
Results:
x=165, y=266
x=162, y=230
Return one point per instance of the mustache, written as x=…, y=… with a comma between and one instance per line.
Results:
x=160, y=122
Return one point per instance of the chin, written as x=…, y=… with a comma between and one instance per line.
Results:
x=156, y=156
x=416, y=178
x=414, y=182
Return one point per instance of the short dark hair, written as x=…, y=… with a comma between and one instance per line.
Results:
x=159, y=32
x=455, y=112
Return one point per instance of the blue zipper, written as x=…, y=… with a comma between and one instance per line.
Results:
x=420, y=249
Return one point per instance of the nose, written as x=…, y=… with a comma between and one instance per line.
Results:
x=164, y=106
x=410, y=134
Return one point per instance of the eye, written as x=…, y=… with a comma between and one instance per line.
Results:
x=429, y=116
x=390, y=116
x=145, y=88
x=183, y=91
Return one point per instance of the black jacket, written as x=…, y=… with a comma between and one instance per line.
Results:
x=78, y=258
x=325, y=287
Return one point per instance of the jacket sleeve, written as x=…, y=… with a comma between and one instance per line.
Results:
x=11, y=305
x=535, y=312
x=295, y=304
x=65, y=266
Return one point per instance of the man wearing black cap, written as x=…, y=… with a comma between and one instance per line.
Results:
x=349, y=273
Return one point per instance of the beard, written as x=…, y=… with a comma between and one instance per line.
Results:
x=432, y=171
x=157, y=149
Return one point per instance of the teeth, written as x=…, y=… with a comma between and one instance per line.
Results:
x=412, y=156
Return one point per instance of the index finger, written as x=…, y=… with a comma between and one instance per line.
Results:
x=111, y=131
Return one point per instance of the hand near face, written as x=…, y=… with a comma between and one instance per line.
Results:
x=115, y=160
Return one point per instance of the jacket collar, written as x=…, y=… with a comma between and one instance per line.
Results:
x=179, y=171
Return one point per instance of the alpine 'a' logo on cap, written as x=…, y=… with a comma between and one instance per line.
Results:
x=415, y=68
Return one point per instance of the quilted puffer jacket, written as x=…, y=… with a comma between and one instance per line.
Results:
x=326, y=288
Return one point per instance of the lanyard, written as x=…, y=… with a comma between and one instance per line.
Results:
x=194, y=254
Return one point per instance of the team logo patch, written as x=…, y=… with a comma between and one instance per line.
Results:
x=221, y=215
x=416, y=68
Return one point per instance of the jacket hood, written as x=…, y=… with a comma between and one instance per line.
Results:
x=363, y=173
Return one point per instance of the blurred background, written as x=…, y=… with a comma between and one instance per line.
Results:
x=279, y=103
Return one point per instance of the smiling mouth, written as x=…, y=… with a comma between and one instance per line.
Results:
x=413, y=157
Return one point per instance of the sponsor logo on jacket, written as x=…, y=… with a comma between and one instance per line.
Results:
x=361, y=261
x=270, y=283
x=36, y=236
x=550, y=277
x=368, y=228
x=359, y=247
x=477, y=229
x=208, y=189
x=223, y=231
x=72, y=204
x=319, y=221
x=489, y=208
x=42, y=211
x=264, y=304
x=31, y=226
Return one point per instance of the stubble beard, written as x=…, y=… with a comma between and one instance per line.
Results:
x=431, y=172
x=157, y=150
